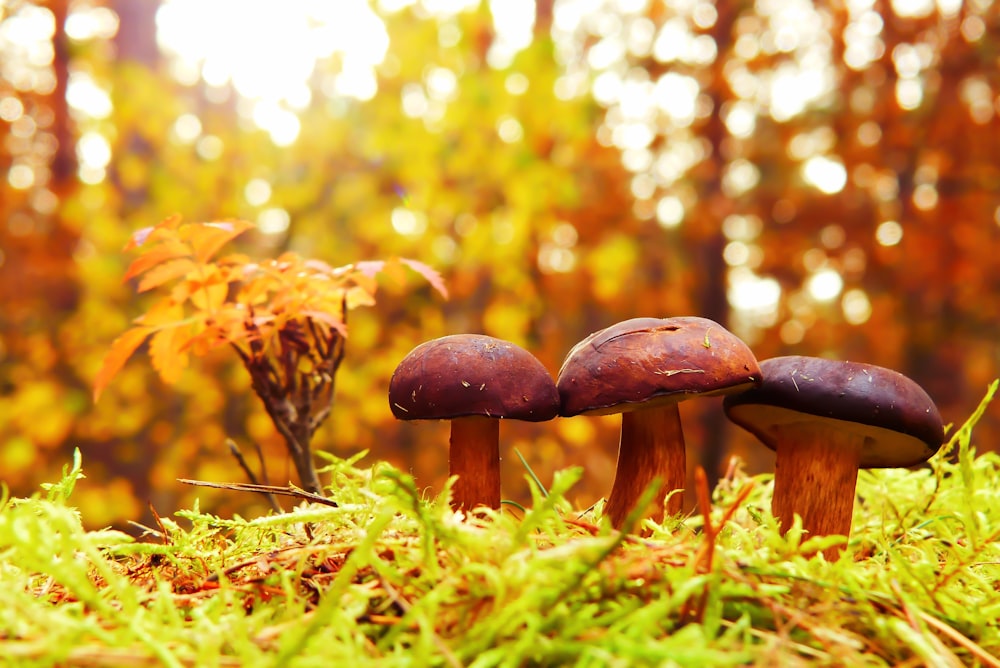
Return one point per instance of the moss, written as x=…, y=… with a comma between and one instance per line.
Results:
x=391, y=577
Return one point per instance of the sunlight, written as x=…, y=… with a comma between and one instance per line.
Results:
x=752, y=293
x=257, y=192
x=514, y=21
x=269, y=57
x=856, y=306
x=186, y=129
x=11, y=109
x=676, y=94
x=889, y=233
x=828, y=175
x=21, y=177
x=83, y=94
x=669, y=211
x=825, y=285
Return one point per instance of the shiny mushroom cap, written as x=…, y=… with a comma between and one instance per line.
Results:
x=472, y=374
x=653, y=360
x=900, y=423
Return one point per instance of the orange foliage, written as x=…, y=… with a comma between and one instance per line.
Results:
x=286, y=318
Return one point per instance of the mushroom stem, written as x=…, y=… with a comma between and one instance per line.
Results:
x=652, y=446
x=475, y=459
x=815, y=475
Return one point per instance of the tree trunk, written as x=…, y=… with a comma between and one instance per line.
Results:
x=712, y=299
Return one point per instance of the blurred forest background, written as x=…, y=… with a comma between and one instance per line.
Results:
x=822, y=178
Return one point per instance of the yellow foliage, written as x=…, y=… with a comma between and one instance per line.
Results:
x=611, y=265
x=104, y=503
x=577, y=432
x=507, y=320
x=17, y=454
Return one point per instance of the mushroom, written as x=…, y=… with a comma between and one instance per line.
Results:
x=825, y=419
x=474, y=381
x=642, y=368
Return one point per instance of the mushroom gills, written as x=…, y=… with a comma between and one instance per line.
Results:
x=905, y=450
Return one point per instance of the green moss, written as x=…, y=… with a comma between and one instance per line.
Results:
x=389, y=577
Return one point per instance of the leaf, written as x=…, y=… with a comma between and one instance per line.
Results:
x=366, y=282
x=367, y=267
x=210, y=296
x=370, y=268
x=165, y=351
x=241, y=260
x=181, y=292
x=320, y=266
x=359, y=296
x=167, y=271
x=121, y=349
x=227, y=325
x=329, y=319
x=394, y=270
x=141, y=236
x=206, y=335
x=253, y=292
x=169, y=250
x=207, y=238
x=164, y=313
x=432, y=275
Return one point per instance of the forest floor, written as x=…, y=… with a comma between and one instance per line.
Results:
x=389, y=577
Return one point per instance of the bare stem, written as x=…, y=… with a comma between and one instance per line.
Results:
x=296, y=401
x=815, y=475
x=279, y=408
x=652, y=446
x=475, y=459
x=234, y=450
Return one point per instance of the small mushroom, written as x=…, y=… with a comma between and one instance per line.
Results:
x=474, y=381
x=825, y=419
x=642, y=368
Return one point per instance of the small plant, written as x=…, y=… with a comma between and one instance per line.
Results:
x=286, y=318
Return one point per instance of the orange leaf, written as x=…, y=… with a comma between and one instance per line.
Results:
x=319, y=265
x=141, y=236
x=367, y=267
x=210, y=296
x=165, y=352
x=394, y=270
x=205, y=343
x=253, y=292
x=241, y=260
x=359, y=296
x=227, y=324
x=164, y=313
x=121, y=349
x=181, y=292
x=167, y=271
x=168, y=250
x=431, y=274
x=366, y=281
x=208, y=238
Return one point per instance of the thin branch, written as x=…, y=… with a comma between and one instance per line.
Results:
x=289, y=490
x=261, y=461
x=234, y=450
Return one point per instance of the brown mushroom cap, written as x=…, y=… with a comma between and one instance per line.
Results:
x=900, y=423
x=472, y=374
x=653, y=360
